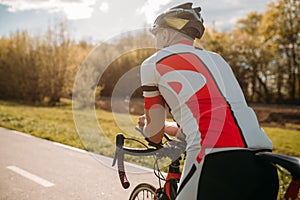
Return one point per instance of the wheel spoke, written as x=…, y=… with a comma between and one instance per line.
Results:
x=143, y=192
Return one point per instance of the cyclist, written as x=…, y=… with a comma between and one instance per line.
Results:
x=205, y=100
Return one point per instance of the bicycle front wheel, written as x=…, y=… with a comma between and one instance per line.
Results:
x=143, y=191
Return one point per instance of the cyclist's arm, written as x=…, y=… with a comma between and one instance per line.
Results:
x=153, y=103
x=172, y=129
x=154, y=128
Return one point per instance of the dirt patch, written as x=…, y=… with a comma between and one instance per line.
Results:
x=135, y=107
x=268, y=115
x=283, y=118
x=277, y=115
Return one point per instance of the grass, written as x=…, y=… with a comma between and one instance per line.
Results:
x=285, y=141
x=57, y=124
x=54, y=124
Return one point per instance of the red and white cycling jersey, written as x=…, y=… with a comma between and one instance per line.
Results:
x=204, y=97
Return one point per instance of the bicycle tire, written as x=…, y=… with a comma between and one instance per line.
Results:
x=143, y=191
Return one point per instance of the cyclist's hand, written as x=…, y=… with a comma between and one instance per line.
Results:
x=141, y=130
x=172, y=129
x=142, y=121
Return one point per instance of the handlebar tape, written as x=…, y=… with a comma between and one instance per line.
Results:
x=120, y=157
x=293, y=189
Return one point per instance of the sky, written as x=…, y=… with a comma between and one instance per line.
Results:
x=98, y=20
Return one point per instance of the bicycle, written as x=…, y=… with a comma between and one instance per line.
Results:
x=174, y=150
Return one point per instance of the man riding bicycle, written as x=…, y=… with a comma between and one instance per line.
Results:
x=210, y=111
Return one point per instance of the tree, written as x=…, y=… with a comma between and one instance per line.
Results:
x=281, y=29
x=253, y=57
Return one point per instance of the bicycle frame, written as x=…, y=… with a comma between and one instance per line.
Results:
x=172, y=180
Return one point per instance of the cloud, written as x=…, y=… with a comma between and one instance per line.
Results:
x=152, y=8
x=221, y=14
x=104, y=7
x=224, y=15
x=74, y=9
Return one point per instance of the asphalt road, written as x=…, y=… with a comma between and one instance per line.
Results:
x=32, y=168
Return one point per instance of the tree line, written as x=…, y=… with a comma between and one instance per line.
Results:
x=39, y=69
x=264, y=53
x=263, y=50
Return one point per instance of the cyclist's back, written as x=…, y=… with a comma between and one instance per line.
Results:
x=201, y=91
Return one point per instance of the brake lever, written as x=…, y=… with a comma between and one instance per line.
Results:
x=141, y=130
x=115, y=157
x=119, y=144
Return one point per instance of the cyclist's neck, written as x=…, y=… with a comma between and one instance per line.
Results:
x=185, y=41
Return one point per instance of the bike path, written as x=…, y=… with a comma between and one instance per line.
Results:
x=33, y=168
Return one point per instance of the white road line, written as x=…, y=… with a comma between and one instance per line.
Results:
x=22, y=134
x=30, y=176
x=69, y=147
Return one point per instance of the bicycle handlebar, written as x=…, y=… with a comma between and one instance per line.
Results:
x=170, y=151
x=120, y=157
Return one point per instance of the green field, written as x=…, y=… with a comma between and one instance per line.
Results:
x=57, y=124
